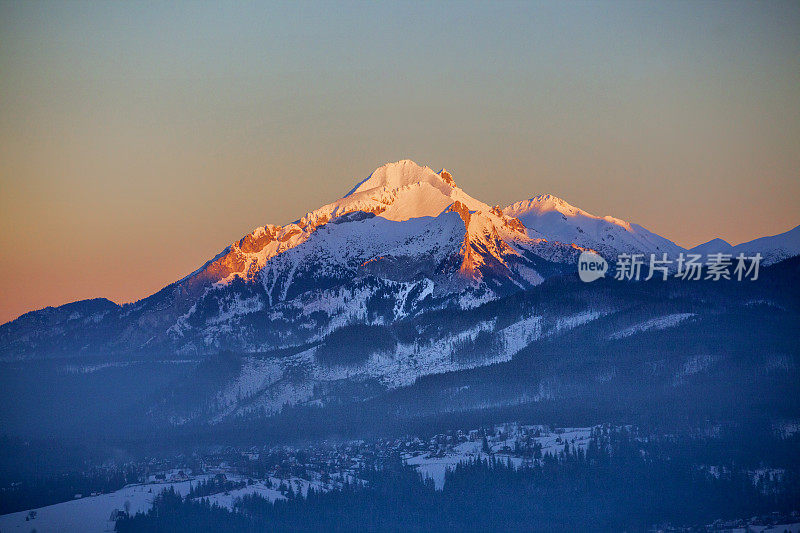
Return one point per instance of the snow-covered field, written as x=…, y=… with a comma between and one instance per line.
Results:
x=298, y=485
x=434, y=466
x=90, y=514
x=93, y=513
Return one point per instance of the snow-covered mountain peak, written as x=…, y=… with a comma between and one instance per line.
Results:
x=401, y=174
x=546, y=203
x=399, y=191
x=396, y=192
x=549, y=202
x=560, y=221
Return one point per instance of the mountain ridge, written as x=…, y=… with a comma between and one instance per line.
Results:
x=403, y=279
x=403, y=240
x=773, y=248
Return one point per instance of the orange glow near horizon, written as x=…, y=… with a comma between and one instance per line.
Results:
x=138, y=140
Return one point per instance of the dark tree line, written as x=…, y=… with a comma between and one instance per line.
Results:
x=214, y=485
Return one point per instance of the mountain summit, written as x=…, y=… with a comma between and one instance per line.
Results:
x=402, y=174
x=610, y=236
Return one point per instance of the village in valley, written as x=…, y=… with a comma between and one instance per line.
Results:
x=224, y=474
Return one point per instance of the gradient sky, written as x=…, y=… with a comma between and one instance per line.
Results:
x=138, y=139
